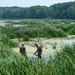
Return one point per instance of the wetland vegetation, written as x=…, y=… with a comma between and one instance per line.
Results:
x=13, y=63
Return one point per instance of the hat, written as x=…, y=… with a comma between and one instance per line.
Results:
x=22, y=44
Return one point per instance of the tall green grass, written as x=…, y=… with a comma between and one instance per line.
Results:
x=14, y=64
x=11, y=63
x=63, y=62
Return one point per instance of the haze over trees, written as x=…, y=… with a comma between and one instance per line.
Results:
x=56, y=11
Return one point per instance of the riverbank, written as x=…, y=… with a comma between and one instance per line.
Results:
x=50, y=46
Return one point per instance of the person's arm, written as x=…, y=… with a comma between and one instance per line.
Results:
x=36, y=51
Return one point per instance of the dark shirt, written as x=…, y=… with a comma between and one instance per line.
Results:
x=22, y=50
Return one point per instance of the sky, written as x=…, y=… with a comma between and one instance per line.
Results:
x=28, y=3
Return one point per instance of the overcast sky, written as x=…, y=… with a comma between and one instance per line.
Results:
x=28, y=3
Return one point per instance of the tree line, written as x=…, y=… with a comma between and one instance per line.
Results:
x=56, y=11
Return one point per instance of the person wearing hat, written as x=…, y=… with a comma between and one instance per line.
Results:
x=39, y=50
x=23, y=50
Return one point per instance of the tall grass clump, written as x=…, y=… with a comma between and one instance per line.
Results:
x=64, y=62
x=26, y=38
x=72, y=31
x=7, y=42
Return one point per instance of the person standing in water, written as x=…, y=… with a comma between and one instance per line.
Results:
x=23, y=50
x=39, y=50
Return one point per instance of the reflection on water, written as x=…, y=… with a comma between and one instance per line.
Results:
x=3, y=24
x=16, y=25
x=19, y=25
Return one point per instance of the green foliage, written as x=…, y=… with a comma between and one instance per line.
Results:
x=14, y=64
x=6, y=41
x=54, y=46
x=9, y=31
x=26, y=38
x=61, y=33
x=63, y=62
x=72, y=31
x=45, y=28
x=13, y=44
x=56, y=11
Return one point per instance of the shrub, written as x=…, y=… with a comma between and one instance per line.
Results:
x=72, y=31
x=54, y=46
x=26, y=38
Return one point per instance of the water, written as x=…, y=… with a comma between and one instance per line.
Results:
x=19, y=25
x=48, y=50
x=2, y=23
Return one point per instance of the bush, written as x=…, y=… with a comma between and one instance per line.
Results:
x=26, y=38
x=54, y=46
x=72, y=31
x=61, y=33
x=13, y=44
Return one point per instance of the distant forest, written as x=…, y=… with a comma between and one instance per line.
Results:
x=56, y=11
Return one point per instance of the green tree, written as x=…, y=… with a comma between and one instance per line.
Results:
x=71, y=12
